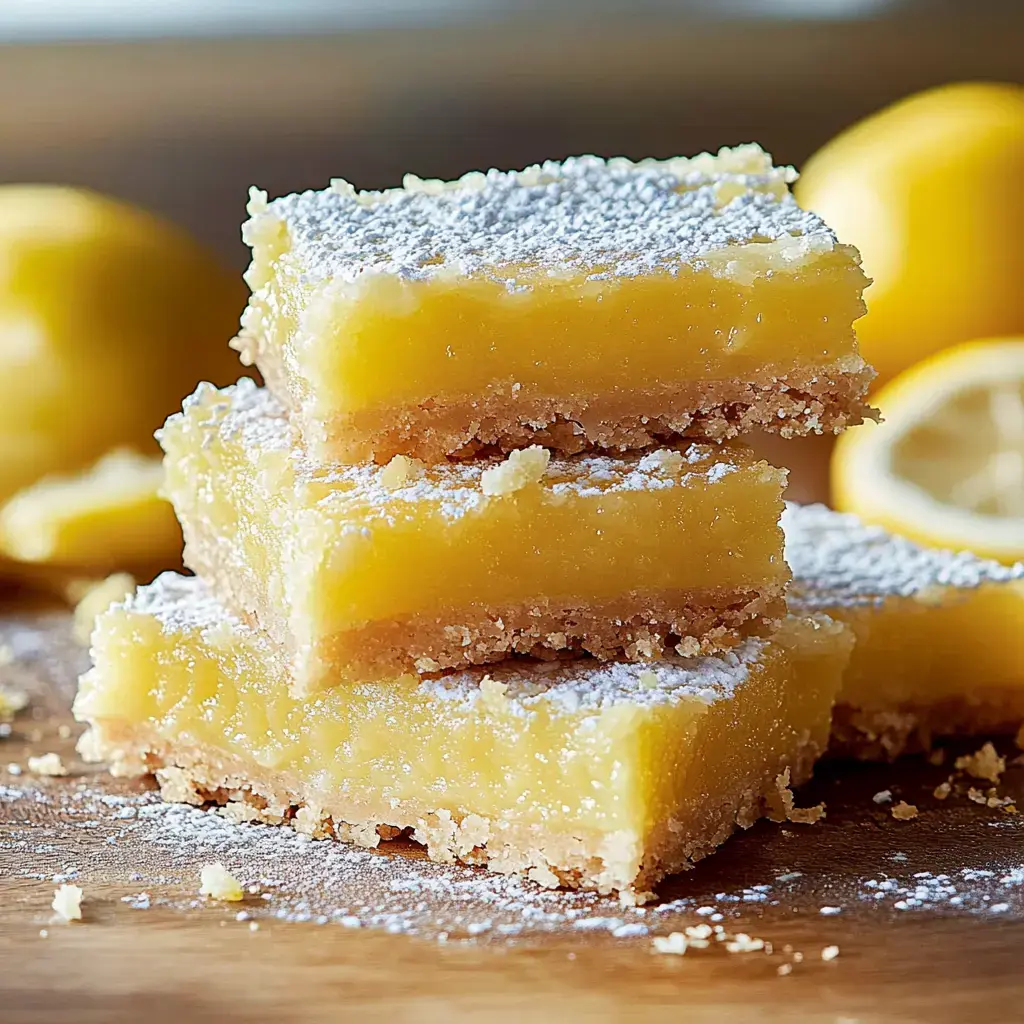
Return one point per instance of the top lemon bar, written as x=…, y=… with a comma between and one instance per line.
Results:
x=584, y=304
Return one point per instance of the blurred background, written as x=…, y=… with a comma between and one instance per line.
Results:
x=109, y=315
x=180, y=105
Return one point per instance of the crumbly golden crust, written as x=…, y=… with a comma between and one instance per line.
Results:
x=883, y=734
x=624, y=863
x=635, y=628
x=826, y=400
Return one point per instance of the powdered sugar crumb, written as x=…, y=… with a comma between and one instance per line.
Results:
x=330, y=883
x=838, y=561
x=600, y=218
x=327, y=882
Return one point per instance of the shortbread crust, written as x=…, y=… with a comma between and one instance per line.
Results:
x=940, y=643
x=363, y=572
x=636, y=627
x=583, y=774
x=571, y=304
x=501, y=421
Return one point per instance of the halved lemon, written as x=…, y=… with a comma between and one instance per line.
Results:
x=946, y=465
x=929, y=192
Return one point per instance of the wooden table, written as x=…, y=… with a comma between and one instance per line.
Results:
x=186, y=960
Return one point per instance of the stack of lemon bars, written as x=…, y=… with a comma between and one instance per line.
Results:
x=487, y=563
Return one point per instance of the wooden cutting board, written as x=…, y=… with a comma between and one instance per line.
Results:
x=928, y=914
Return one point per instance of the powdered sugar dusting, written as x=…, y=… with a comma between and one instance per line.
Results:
x=330, y=882
x=289, y=877
x=158, y=849
x=838, y=561
x=604, y=218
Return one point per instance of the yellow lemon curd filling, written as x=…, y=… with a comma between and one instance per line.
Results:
x=366, y=571
x=940, y=643
x=581, y=304
x=582, y=773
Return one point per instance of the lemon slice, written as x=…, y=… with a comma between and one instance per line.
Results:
x=946, y=465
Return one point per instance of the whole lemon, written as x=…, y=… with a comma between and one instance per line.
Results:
x=108, y=318
x=930, y=191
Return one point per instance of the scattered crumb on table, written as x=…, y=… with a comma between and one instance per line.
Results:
x=676, y=943
x=47, y=764
x=985, y=763
x=904, y=811
x=219, y=884
x=67, y=902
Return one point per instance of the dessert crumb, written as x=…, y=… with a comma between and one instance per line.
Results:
x=942, y=790
x=904, y=811
x=937, y=756
x=664, y=461
x=675, y=943
x=67, y=902
x=996, y=801
x=219, y=884
x=883, y=797
x=783, y=969
x=523, y=466
x=401, y=470
x=47, y=764
x=743, y=943
x=985, y=763
x=14, y=768
x=807, y=815
x=11, y=702
x=829, y=953
x=789, y=811
x=43, y=933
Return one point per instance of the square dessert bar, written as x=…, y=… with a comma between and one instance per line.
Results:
x=578, y=305
x=588, y=774
x=940, y=643
x=361, y=572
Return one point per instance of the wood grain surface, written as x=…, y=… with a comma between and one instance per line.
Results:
x=950, y=954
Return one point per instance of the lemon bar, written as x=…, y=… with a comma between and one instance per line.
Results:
x=368, y=571
x=584, y=304
x=581, y=773
x=940, y=636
